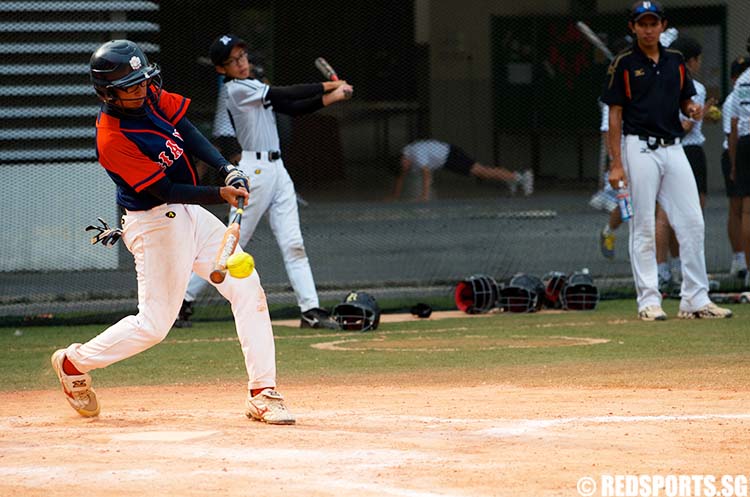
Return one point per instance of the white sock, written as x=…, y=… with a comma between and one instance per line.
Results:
x=675, y=264
x=740, y=258
x=607, y=230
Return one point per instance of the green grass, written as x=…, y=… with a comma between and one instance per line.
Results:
x=703, y=352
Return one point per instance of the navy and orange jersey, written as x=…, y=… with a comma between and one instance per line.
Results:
x=137, y=151
x=649, y=93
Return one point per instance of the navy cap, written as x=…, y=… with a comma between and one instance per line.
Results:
x=739, y=65
x=646, y=8
x=222, y=47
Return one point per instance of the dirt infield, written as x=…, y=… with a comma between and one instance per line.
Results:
x=375, y=436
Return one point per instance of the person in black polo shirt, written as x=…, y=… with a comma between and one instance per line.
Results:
x=646, y=87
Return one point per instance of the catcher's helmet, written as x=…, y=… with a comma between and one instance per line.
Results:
x=523, y=293
x=121, y=64
x=554, y=282
x=580, y=293
x=476, y=294
x=359, y=311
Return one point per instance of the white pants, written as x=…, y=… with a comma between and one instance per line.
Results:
x=167, y=243
x=664, y=175
x=272, y=191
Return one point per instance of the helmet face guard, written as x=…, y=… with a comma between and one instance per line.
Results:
x=554, y=283
x=580, y=293
x=476, y=294
x=524, y=293
x=358, y=312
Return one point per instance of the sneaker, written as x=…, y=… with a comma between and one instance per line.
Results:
x=183, y=318
x=607, y=244
x=268, y=407
x=318, y=318
x=527, y=182
x=652, y=313
x=708, y=311
x=77, y=388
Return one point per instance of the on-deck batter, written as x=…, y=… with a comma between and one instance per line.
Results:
x=645, y=89
x=142, y=135
x=251, y=105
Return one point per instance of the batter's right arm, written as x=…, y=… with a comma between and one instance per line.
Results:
x=614, y=141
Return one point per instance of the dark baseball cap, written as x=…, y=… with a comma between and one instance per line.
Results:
x=222, y=47
x=739, y=65
x=646, y=8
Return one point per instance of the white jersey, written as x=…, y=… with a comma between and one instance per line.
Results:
x=252, y=114
x=743, y=125
x=695, y=135
x=740, y=103
x=428, y=154
x=222, y=123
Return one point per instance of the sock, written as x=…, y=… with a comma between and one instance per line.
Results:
x=675, y=264
x=69, y=368
x=663, y=269
x=256, y=391
x=607, y=230
x=740, y=258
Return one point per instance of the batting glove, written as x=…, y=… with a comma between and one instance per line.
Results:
x=106, y=235
x=234, y=177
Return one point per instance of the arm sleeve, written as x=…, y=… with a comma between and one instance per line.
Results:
x=298, y=107
x=294, y=92
x=198, y=145
x=177, y=193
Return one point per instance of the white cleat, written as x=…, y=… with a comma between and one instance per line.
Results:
x=708, y=311
x=268, y=407
x=652, y=313
x=77, y=388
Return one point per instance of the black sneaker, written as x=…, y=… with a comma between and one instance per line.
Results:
x=318, y=318
x=183, y=318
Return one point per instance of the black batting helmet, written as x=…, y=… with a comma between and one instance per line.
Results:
x=580, y=293
x=476, y=294
x=359, y=311
x=523, y=293
x=121, y=64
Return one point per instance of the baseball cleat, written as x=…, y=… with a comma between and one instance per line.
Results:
x=77, y=388
x=652, y=313
x=607, y=244
x=708, y=311
x=268, y=407
x=318, y=318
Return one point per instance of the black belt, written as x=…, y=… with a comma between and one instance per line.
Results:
x=272, y=155
x=654, y=142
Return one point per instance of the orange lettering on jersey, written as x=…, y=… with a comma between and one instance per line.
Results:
x=165, y=161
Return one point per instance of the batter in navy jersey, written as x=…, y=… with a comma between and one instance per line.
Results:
x=142, y=140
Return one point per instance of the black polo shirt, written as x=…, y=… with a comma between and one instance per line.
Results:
x=650, y=94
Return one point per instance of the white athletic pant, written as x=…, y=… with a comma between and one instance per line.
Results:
x=272, y=191
x=167, y=243
x=664, y=175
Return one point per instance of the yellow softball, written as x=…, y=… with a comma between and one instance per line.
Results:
x=240, y=264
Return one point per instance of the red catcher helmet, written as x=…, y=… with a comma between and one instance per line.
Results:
x=476, y=294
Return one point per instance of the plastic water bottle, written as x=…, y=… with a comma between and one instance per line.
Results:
x=623, y=201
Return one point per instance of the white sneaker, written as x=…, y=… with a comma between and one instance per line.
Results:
x=268, y=406
x=527, y=182
x=77, y=388
x=652, y=313
x=708, y=311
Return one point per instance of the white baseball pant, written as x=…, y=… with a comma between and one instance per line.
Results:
x=664, y=175
x=272, y=191
x=166, y=249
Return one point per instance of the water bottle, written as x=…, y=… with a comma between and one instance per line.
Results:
x=623, y=201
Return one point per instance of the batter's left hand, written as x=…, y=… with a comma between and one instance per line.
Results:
x=695, y=111
x=232, y=195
